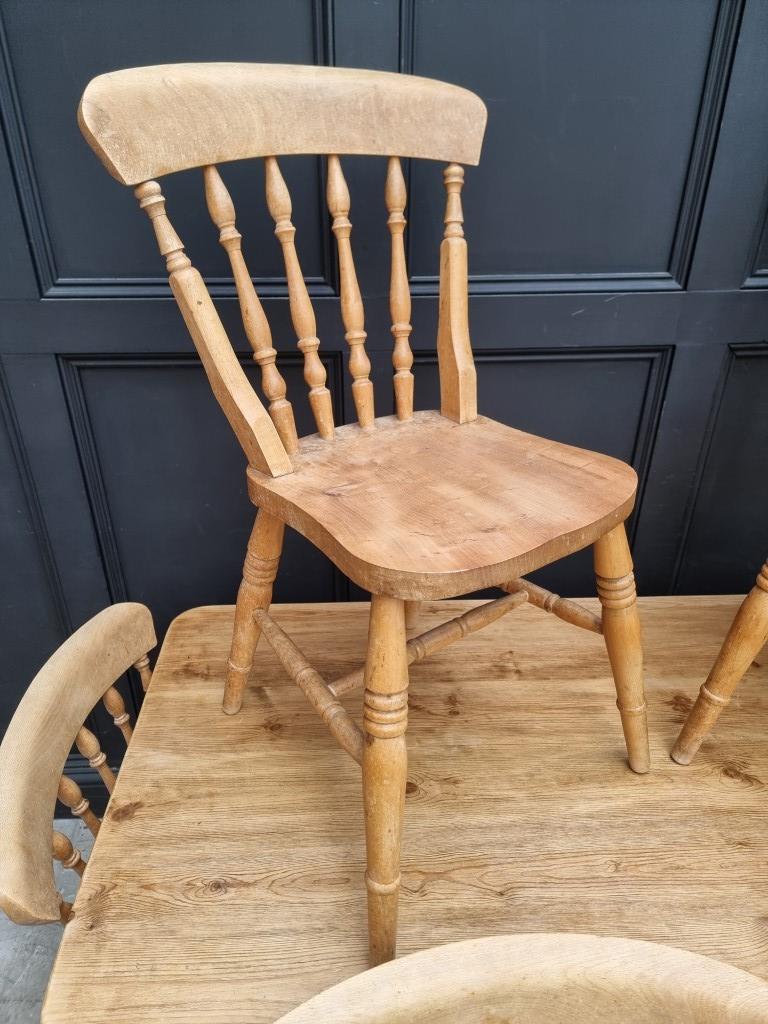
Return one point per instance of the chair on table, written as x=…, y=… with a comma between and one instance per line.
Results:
x=746, y=638
x=34, y=750
x=544, y=979
x=414, y=506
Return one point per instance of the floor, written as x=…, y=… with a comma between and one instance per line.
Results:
x=27, y=954
x=226, y=884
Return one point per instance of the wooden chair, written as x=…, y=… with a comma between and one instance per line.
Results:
x=544, y=979
x=746, y=638
x=411, y=506
x=34, y=750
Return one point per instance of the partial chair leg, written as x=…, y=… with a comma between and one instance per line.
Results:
x=385, y=765
x=746, y=637
x=621, y=630
x=259, y=571
x=412, y=610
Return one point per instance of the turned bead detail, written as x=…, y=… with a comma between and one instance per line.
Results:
x=71, y=796
x=302, y=314
x=399, y=292
x=89, y=747
x=258, y=571
x=385, y=714
x=453, y=177
x=222, y=211
x=616, y=593
x=352, y=312
x=66, y=854
x=115, y=705
x=152, y=202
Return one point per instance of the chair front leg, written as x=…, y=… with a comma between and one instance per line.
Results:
x=385, y=765
x=745, y=639
x=259, y=571
x=621, y=631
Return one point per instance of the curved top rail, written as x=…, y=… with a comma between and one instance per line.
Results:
x=146, y=122
x=38, y=740
x=544, y=979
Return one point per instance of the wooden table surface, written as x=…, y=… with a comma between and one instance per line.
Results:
x=226, y=882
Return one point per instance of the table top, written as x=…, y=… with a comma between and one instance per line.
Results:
x=226, y=882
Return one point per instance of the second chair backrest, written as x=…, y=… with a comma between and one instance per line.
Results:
x=147, y=122
x=544, y=979
x=35, y=747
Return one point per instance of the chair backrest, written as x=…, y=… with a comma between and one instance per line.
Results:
x=34, y=750
x=147, y=122
x=544, y=979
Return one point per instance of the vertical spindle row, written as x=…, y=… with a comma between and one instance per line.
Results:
x=399, y=292
x=352, y=311
x=222, y=211
x=302, y=314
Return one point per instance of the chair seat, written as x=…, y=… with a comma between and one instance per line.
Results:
x=429, y=508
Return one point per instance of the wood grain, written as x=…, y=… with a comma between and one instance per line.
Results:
x=427, y=508
x=146, y=122
x=242, y=895
x=544, y=979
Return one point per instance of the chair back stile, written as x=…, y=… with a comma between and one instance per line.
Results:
x=34, y=750
x=145, y=122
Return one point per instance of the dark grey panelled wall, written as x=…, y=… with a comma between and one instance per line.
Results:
x=619, y=259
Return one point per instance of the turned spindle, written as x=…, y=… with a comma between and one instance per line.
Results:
x=72, y=797
x=152, y=202
x=222, y=211
x=66, y=854
x=302, y=314
x=352, y=312
x=115, y=705
x=88, y=745
x=399, y=292
x=145, y=672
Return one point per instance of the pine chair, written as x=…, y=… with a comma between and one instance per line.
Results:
x=746, y=638
x=414, y=506
x=544, y=979
x=41, y=733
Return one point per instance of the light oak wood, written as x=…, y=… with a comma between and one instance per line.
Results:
x=261, y=561
x=520, y=815
x=351, y=300
x=746, y=638
x=562, y=607
x=89, y=747
x=544, y=979
x=115, y=705
x=302, y=314
x=222, y=211
x=247, y=416
x=621, y=630
x=410, y=507
x=66, y=854
x=375, y=502
x=399, y=291
x=36, y=745
x=458, y=379
x=385, y=767
x=142, y=666
x=146, y=122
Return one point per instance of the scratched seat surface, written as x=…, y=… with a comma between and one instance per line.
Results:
x=431, y=506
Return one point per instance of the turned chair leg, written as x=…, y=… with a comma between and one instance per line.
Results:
x=621, y=631
x=259, y=571
x=745, y=639
x=385, y=765
x=412, y=611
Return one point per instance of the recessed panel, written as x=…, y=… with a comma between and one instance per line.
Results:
x=95, y=228
x=592, y=109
